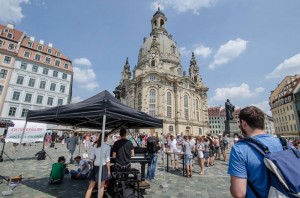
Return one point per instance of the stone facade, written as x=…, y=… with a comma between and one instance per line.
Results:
x=159, y=86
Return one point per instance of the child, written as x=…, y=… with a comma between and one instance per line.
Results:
x=58, y=171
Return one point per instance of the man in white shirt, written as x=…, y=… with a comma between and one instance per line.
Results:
x=173, y=149
x=83, y=169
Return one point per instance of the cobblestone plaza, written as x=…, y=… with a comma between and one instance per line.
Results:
x=214, y=184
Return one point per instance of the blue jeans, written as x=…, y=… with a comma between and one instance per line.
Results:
x=152, y=166
x=73, y=174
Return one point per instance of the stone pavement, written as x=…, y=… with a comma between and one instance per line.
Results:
x=214, y=184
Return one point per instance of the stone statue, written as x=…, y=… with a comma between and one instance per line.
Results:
x=229, y=110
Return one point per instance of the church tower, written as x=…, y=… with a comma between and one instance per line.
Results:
x=160, y=87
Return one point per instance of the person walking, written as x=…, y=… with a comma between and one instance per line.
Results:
x=248, y=174
x=71, y=146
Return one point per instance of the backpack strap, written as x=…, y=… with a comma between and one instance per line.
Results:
x=284, y=143
x=262, y=149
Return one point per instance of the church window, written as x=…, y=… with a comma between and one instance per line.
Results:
x=152, y=63
x=162, y=22
x=152, y=102
x=186, y=107
x=169, y=105
x=139, y=101
x=152, y=78
x=155, y=23
x=197, y=110
x=171, y=128
x=195, y=78
x=173, y=49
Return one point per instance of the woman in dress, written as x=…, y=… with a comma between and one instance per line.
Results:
x=200, y=149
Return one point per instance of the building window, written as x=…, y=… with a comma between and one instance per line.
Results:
x=55, y=73
x=7, y=59
x=62, y=88
x=152, y=63
x=57, y=63
x=45, y=71
x=171, y=128
x=16, y=96
x=58, y=53
x=39, y=99
x=31, y=82
x=1, y=42
x=3, y=73
x=49, y=51
x=29, y=44
x=152, y=78
x=52, y=87
x=37, y=57
x=186, y=107
x=20, y=80
x=12, y=111
x=26, y=54
x=64, y=76
x=35, y=68
x=10, y=35
x=23, y=66
x=152, y=102
x=50, y=101
x=11, y=46
x=60, y=102
x=197, y=110
x=139, y=101
x=48, y=60
x=66, y=66
x=1, y=89
x=24, y=113
x=28, y=97
x=40, y=47
x=42, y=84
x=169, y=105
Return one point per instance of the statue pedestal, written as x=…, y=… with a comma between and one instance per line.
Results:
x=231, y=127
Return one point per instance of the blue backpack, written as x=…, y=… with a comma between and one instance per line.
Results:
x=283, y=168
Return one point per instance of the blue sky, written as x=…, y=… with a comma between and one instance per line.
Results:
x=244, y=48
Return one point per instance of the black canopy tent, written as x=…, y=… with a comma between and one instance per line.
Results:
x=100, y=111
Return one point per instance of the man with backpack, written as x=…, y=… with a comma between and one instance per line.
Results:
x=249, y=175
x=152, y=148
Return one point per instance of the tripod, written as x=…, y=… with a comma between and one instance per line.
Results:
x=43, y=152
x=2, y=151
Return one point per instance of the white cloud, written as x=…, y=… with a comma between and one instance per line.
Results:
x=203, y=51
x=228, y=51
x=290, y=66
x=86, y=78
x=76, y=99
x=11, y=10
x=184, y=51
x=264, y=106
x=82, y=61
x=238, y=92
x=184, y=5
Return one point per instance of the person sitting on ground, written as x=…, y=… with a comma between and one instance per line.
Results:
x=83, y=169
x=57, y=171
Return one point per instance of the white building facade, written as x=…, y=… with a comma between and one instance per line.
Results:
x=159, y=86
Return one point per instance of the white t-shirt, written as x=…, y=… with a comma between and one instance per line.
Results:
x=96, y=152
x=80, y=165
x=173, y=145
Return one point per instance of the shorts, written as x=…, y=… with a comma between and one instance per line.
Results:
x=200, y=154
x=222, y=149
x=211, y=153
x=188, y=159
x=206, y=154
x=95, y=173
x=174, y=156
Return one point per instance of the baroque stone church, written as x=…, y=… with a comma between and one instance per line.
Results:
x=158, y=85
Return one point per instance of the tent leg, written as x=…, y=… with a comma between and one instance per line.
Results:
x=101, y=155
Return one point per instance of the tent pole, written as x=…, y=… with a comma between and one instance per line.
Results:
x=101, y=155
x=17, y=156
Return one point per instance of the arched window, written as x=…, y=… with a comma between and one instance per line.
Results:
x=162, y=22
x=186, y=107
x=197, y=110
x=152, y=102
x=171, y=128
x=169, y=105
x=140, y=101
